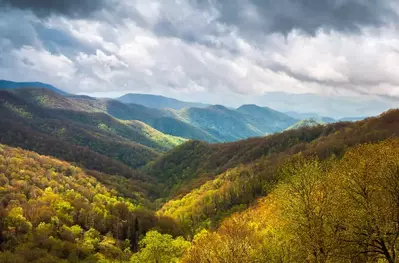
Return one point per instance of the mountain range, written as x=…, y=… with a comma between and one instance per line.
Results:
x=85, y=179
x=159, y=102
x=212, y=123
x=10, y=85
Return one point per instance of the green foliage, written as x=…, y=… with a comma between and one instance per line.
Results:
x=51, y=133
x=78, y=123
x=305, y=123
x=104, y=127
x=18, y=110
x=319, y=207
x=323, y=211
x=160, y=248
x=213, y=181
x=193, y=163
x=51, y=211
x=230, y=125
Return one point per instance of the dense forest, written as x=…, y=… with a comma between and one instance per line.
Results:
x=52, y=211
x=337, y=210
x=78, y=184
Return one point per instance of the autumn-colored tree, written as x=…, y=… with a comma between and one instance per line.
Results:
x=368, y=177
x=160, y=248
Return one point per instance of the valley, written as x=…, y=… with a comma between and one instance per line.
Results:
x=86, y=179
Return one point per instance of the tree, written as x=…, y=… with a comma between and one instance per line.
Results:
x=160, y=248
x=308, y=204
x=369, y=200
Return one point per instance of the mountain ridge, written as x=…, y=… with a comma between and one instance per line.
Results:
x=159, y=101
x=10, y=85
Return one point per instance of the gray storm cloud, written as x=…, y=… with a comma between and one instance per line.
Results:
x=211, y=48
x=72, y=8
x=307, y=15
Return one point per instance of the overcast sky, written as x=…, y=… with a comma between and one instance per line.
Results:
x=216, y=51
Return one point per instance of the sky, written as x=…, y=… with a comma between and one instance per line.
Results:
x=334, y=57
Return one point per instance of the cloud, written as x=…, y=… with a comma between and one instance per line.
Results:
x=70, y=8
x=283, y=16
x=206, y=49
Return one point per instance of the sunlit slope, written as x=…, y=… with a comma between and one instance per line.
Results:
x=208, y=187
x=339, y=210
x=52, y=211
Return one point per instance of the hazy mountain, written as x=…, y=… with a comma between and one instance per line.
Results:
x=305, y=123
x=223, y=123
x=312, y=115
x=352, y=119
x=230, y=124
x=266, y=119
x=214, y=123
x=336, y=107
x=53, y=127
x=156, y=118
x=10, y=85
x=211, y=123
x=158, y=102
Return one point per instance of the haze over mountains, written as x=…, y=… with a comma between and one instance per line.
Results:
x=212, y=123
x=159, y=102
x=189, y=120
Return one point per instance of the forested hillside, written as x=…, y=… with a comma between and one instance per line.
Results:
x=338, y=210
x=45, y=120
x=39, y=129
x=130, y=193
x=11, y=85
x=158, y=119
x=194, y=162
x=231, y=125
x=211, y=123
x=51, y=211
x=305, y=123
x=55, y=212
x=206, y=191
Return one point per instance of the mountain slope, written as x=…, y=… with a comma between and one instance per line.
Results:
x=158, y=119
x=213, y=181
x=232, y=125
x=194, y=162
x=219, y=123
x=310, y=115
x=10, y=85
x=223, y=123
x=202, y=122
x=52, y=211
x=352, y=119
x=158, y=102
x=44, y=131
x=267, y=120
x=319, y=206
x=92, y=115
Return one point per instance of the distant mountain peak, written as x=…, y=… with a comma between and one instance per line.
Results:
x=309, y=122
x=11, y=85
x=249, y=106
x=217, y=107
x=159, y=102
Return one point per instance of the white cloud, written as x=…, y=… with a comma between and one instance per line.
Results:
x=174, y=45
x=43, y=62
